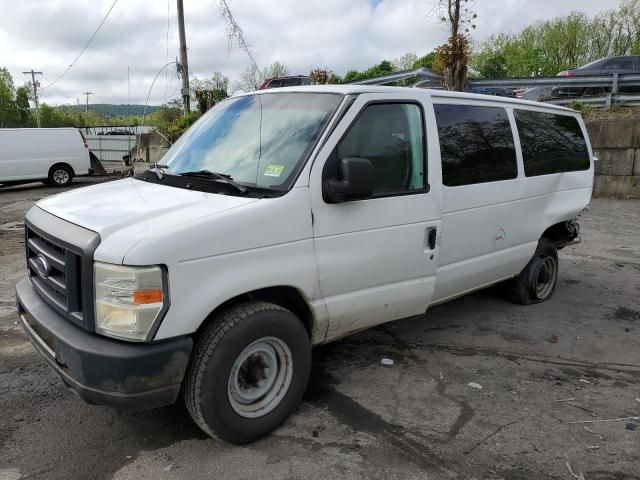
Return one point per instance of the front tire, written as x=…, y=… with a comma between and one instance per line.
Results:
x=60, y=176
x=249, y=370
x=537, y=282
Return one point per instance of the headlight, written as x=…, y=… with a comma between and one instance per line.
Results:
x=128, y=300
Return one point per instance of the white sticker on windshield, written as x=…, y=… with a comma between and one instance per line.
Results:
x=273, y=170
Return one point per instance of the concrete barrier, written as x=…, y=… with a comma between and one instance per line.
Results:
x=616, y=143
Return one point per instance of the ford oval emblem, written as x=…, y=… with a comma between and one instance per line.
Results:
x=42, y=266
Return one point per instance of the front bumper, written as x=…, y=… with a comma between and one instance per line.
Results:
x=103, y=371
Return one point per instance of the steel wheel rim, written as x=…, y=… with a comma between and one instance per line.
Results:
x=61, y=176
x=546, y=277
x=260, y=377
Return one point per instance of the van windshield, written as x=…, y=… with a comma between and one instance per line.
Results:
x=256, y=140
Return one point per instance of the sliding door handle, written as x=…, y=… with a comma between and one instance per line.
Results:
x=432, y=234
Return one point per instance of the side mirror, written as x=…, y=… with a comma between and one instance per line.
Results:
x=356, y=181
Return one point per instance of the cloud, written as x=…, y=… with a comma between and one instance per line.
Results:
x=48, y=34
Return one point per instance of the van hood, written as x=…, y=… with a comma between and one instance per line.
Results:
x=113, y=206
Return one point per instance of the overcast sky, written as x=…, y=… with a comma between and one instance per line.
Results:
x=47, y=35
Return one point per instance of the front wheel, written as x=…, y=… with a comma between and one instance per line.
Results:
x=537, y=282
x=249, y=370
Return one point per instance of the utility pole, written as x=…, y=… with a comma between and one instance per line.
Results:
x=183, y=67
x=35, y=86
x=86, y=105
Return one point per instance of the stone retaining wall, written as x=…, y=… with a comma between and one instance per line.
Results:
x=616, y=143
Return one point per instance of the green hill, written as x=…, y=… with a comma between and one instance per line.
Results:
x=111, y=110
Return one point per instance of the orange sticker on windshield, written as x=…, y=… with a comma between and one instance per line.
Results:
x=273, y=170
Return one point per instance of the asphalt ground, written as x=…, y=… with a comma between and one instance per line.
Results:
x=542, y=368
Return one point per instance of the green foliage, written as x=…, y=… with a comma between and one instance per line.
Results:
x=408, y=61
x=578, y=106
x=405, y=62
x=383, y=68
x=14, y=104
x=334, y=79
x=548, y=47
x=23, y=110
x=210, y=91
x=170, y=121
x=7, y=99
x=425, y=61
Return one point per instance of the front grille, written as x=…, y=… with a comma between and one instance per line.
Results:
x=60, y=285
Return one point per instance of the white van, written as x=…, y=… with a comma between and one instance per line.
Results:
x=289, y=218
x=53, y=155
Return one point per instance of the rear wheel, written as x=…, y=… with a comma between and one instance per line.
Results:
x=537, y=282
x=249, y=370
x=594, y=91
x=60, y=175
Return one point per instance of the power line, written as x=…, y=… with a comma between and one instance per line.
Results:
x=104, y=19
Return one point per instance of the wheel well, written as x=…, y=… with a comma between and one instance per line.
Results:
x=61, y=164
x=562, y=233
x=284, y=296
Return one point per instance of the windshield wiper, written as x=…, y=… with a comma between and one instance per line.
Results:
x=208, y=174
x=158, y=170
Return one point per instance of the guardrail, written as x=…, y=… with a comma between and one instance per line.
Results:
x=608, y=100
x=612, y=83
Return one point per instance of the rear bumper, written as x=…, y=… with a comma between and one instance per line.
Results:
x=99, y=370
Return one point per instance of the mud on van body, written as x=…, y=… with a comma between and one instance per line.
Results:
x=290, y=218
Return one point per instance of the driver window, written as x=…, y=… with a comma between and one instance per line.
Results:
x=391, y=137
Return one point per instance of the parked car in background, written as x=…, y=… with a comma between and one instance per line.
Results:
x=627, y=64
x=290, y=81
x=429, y=83
x=117, y=132
x=495, y=91
x=52, y=155
x=283, y=220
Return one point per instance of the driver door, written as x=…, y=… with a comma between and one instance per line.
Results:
x=377, y=257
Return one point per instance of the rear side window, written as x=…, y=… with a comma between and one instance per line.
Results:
x=291, y=82
x=274, y=84
x=622, y=63
x=476, y=144
x=551, y=143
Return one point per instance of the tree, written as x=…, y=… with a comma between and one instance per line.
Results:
x=8, y=113
x=383, y=68
x=249, y=80
x=319, y=76
x=210, y=91
x=276, y=69
x=455, y=53
x=405, y=62
x=548, y=47
x=23, y=110
x=252, y=77
x=425, y=61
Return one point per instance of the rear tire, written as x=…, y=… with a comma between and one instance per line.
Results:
x=249, y=370
x=594, y=91
x=537, y=282
x=60, y=176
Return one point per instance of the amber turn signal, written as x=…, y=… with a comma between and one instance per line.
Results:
x=147, y=296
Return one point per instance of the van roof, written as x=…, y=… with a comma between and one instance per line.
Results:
x=354, y=89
